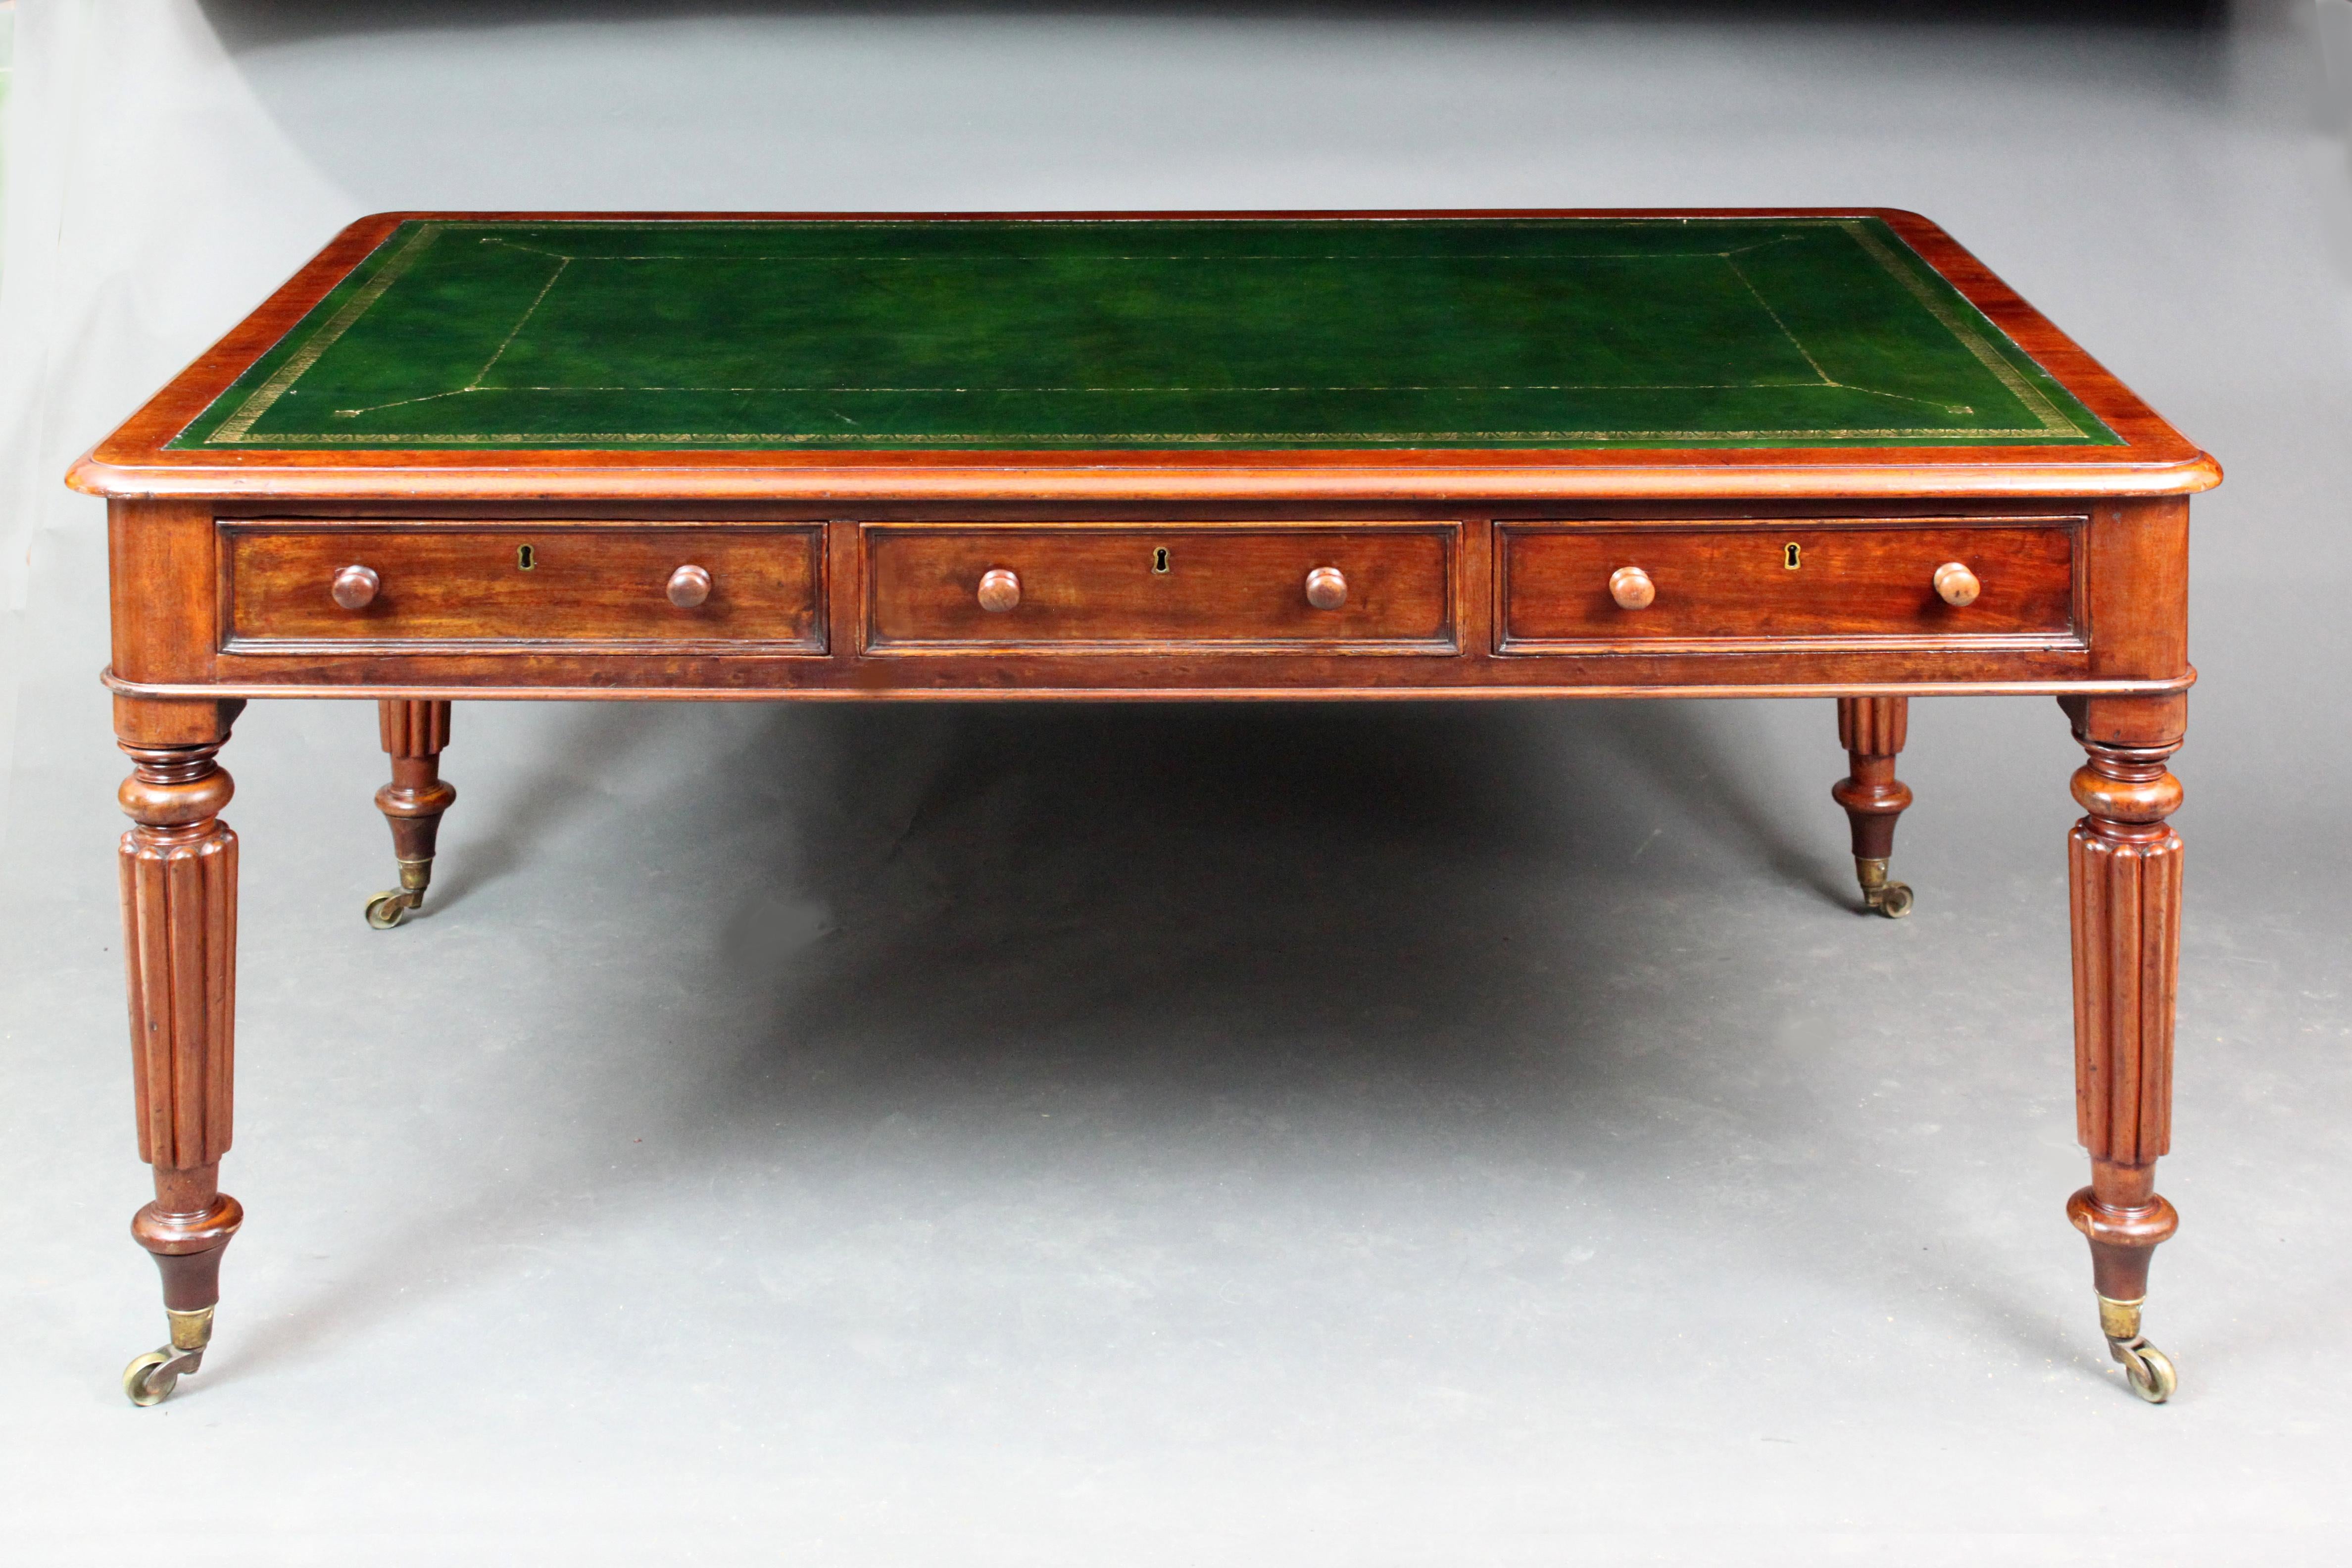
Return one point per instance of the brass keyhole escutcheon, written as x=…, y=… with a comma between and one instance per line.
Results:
x=1160, y=560
x=525, y=557
x=1792, y=556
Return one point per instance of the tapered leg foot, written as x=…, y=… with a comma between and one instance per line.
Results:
x=1872, y=729
x=414, y=734
x=179, y=918
x=2124, y=1236
x=187, y=1228
x=2124, y=877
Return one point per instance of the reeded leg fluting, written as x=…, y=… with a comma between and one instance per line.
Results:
x=414, y=734
x=1872, y=729
x=2123, y=875
x=179, y=918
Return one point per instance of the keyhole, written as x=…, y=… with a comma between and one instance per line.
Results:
x=1159, y=559
x=1792, y=556
x=526, y=557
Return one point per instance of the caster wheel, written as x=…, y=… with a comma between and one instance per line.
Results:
x=387, y=911
x=2148, y=1369
x=151, y=1378
x=1895, y=903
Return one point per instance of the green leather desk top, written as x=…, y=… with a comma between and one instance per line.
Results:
x=1143, y=334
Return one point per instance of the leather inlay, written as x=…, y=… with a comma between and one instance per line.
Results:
x=1155, y=334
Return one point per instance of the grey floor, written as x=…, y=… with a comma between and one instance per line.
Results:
x=1384, y=1134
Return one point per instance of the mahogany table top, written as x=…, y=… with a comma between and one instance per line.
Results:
x=1428, y=354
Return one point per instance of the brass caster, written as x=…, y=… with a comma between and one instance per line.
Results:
x=151, y=1378
x=387, y=911
x=2148, y=1369
x=1892, y=899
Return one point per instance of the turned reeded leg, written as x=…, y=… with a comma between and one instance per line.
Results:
x=1871, y=729
x=2124, y=873
x=414, y=734
x=179, y=920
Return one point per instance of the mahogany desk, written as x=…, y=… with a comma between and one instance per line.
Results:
x=1333, y=456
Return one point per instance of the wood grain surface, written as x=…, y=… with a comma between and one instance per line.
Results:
x=1133, y=587
x=1729, y=586
x=462, y=585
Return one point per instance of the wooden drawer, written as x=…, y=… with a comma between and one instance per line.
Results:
x=1868, y=583
x=1128, y=587
x=581, y=586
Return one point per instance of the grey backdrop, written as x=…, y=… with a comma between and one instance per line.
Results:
x=1392, y=1134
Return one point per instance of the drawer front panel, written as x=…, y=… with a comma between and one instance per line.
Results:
x=1128, y=587
x=579, y=586
x=1801, y=582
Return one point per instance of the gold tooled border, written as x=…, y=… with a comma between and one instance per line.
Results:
x=258, y=403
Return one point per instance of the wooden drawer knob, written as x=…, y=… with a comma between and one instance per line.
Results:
x=1955, y=585
x=1632, y=588
x=1326, y=589
x=355, y=587
x=689, y=586
x=999, y=590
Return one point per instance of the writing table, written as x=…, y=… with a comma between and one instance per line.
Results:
x=1817, y=453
